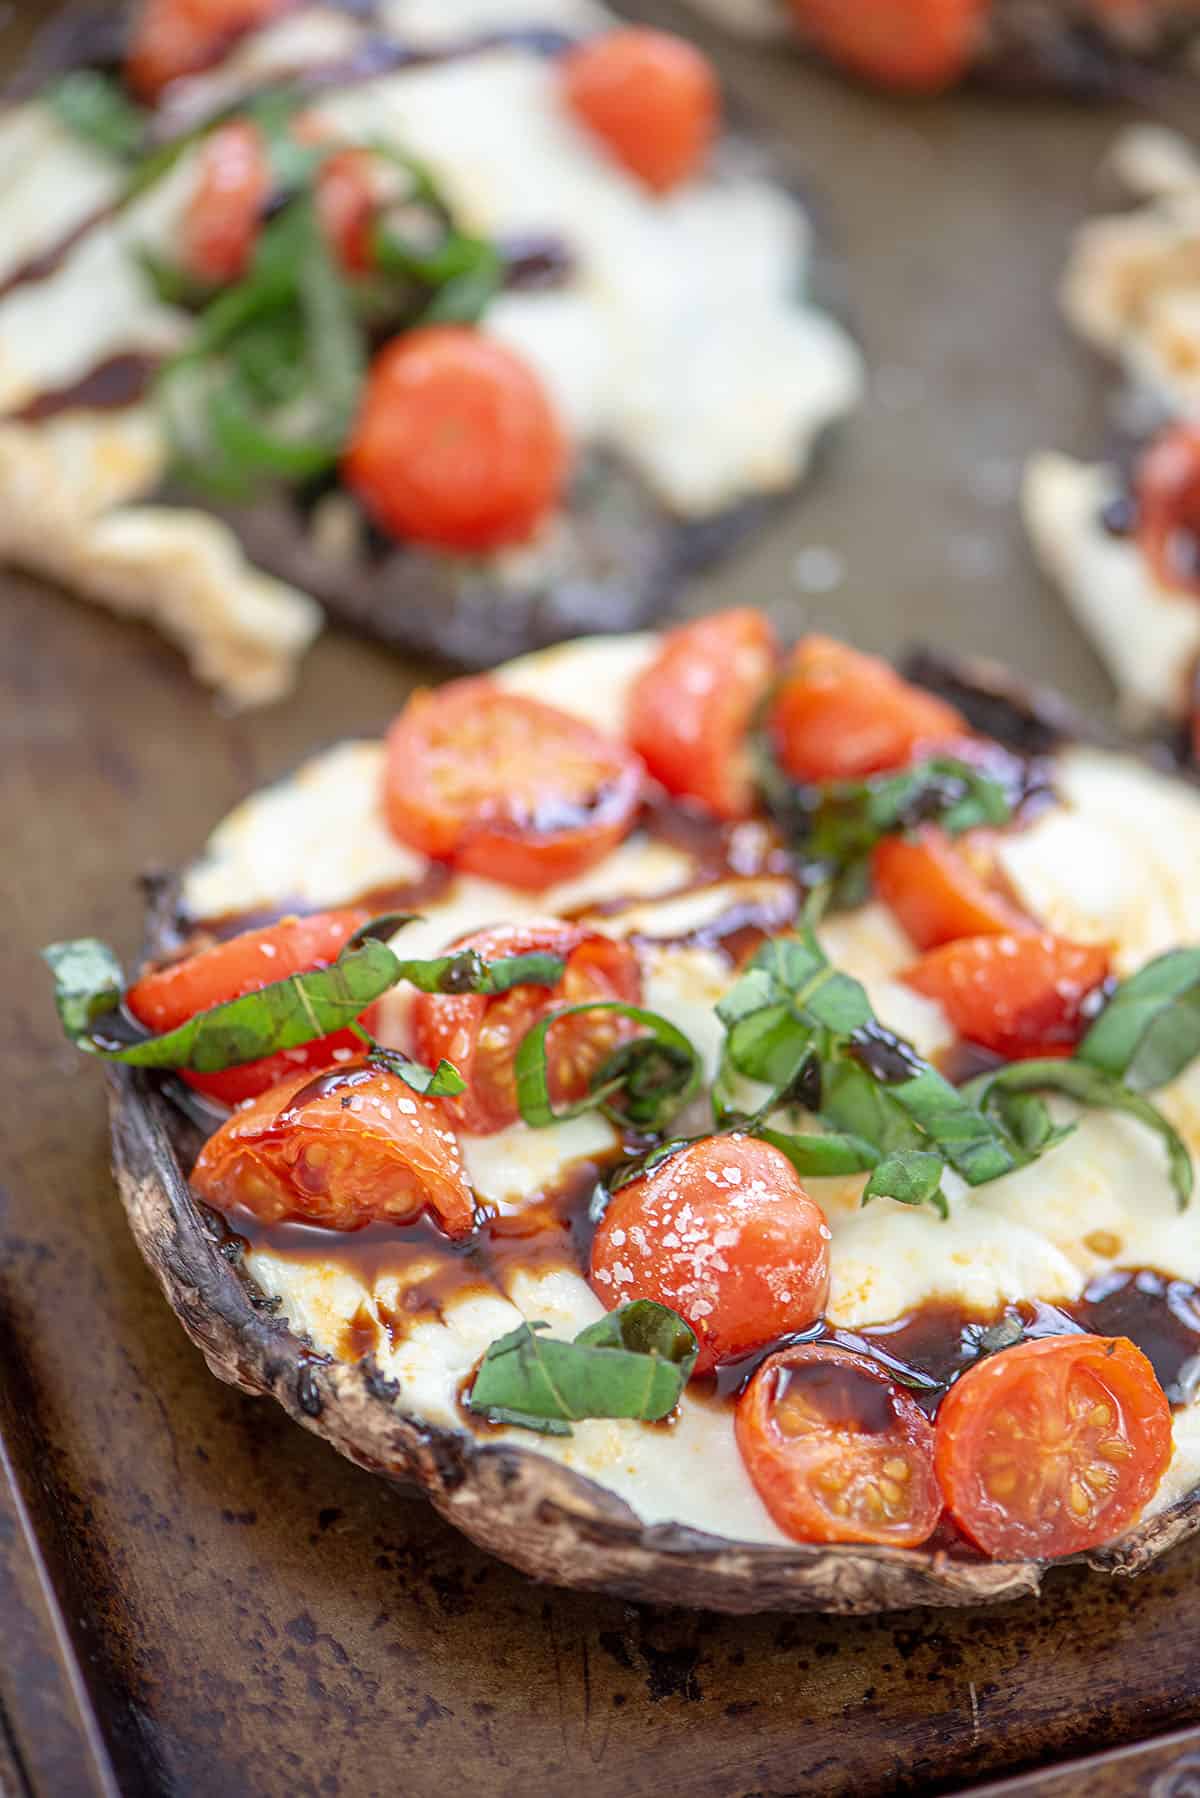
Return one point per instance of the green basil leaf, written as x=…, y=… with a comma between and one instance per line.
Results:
x=769, y=1045
x=95, y=108
x=820, y=1156
x=1092, y=1087
x=465, y=971
x=284, y=1015
x=1150, y=1029
x=836, y=826
x=911, y=1177
x=658, y=1074
x=88, y=985
x=444, y=1081
x=836, y=1001
x=961, y=1132
x=87, y=982
x=633, y=1363
x=1026, y=1118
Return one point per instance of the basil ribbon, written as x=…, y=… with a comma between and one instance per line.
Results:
x=88, y=985
x=835, y=826
x=655, y=1075
x=634, y=1362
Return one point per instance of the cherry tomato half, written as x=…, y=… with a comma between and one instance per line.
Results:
x=170, y=996
x=172, y=38
x=1019, y=995
x=1168, y=508
x=482, y=1035
x=722, y=1232
x=1052, y=1446
x=347, y=1148
x=650, y=97
x=457, y=443
x=840, y=714
x=928, y=883
x=233, y=184
x=691, y=709
x=918, y=45
x=837, y=1451
x=507, y=787
x=346, y=208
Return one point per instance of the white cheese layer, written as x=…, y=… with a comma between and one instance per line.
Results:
x=1147, y=634
x=1114, y=861
x=681, y=338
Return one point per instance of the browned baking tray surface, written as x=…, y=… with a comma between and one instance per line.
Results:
x=247, y=1614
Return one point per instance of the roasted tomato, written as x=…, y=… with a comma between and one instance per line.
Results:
x=921, y=46
x=457, y=443
x=840, y=715
x=1052, y=1446
x=1019, y=995
x=691, y=709
x=935, y=893
x=722, y=1232
x=837, y=1451
x=507, y=787
x=650, y=97
x=482, y=1035
x=347, y=1148
x=172, y=38
x=233, y=184
x=346, y=208
x=1168, y=508
x=170, y=996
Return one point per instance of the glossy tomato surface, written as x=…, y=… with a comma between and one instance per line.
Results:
x=346, y=208
x=172, y=38
x=837, y=1451
x=1021, y=996
x=224, y=215
x=169, y=996
x=1052, y=1446
x=651, y=98
x=349, y=1147
x=722, y=1232
x=928, y=882
x=1168, y=508
x=457, y=443
x=481, y=1035
x=920, y=46
x=839, y=714
x=507, y=787
x=691, y=709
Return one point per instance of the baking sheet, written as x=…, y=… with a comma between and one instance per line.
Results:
x=246, y=1612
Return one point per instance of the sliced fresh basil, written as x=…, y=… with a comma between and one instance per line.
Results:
x=835, y=827
x=632, y=1363
x=656, y=1074
x=94, y=107
x=820, y=1156
x=1149, y=1031
x=284, y=1015
x=911, y=1177
x=88, y=985
x=465, y=971
x=1088, y=1086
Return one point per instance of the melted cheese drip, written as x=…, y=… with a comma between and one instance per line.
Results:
x=1115, y=860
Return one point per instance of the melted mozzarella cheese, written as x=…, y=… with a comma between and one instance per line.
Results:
x=50, y=181
x=1113, y=860
x=1147, y=634
x=680, y=339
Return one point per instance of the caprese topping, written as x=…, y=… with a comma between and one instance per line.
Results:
x=705, y=1248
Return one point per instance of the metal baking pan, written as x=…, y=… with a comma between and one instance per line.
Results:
x=197, y=1598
